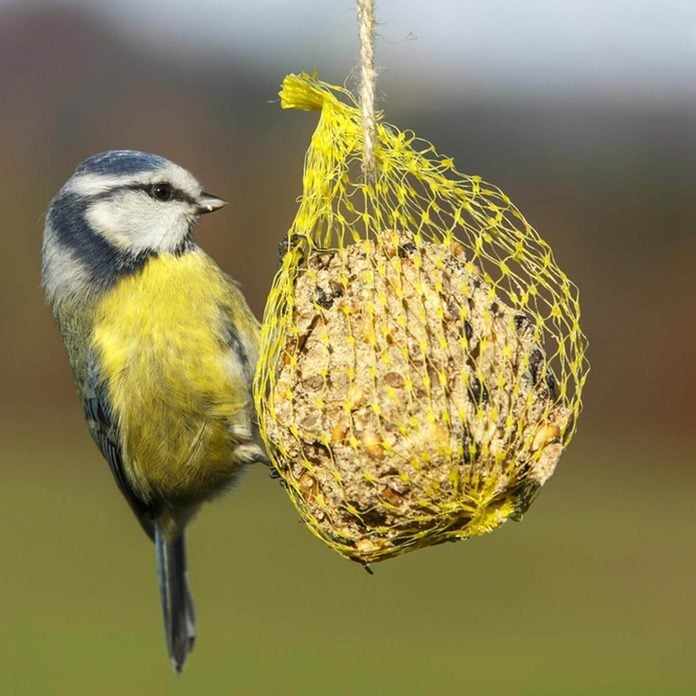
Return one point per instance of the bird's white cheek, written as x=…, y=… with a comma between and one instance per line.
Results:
x=139, y=224
x=106, y=219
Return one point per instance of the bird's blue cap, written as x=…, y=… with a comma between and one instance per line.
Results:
x=120, y=162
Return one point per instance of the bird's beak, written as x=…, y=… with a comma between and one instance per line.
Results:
x=208, y=203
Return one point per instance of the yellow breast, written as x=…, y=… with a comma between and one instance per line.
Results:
x=175, y=386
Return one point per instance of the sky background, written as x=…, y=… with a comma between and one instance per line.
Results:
x=614, y=49
x=595, y=47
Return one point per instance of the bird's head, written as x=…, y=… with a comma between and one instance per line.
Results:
x=118, y=209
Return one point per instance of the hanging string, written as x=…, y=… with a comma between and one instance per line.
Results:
x=366, y=22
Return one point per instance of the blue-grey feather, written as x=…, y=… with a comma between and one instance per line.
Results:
x=121, y=162
x=102, y=261
x=103, y=427
x=232, y=340
x=177, y=604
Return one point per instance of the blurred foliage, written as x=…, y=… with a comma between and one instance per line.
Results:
x=593, y=593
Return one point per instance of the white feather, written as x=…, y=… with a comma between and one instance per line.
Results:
x=133, y=221
x=63, y=273
x=130, y=219
x=88, y=185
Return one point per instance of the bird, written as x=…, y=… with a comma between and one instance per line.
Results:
x=162, y=347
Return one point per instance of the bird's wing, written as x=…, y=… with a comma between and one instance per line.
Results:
x=240, y=332
x=104, y=430
x=240, y=351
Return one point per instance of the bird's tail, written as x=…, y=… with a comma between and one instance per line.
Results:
x=177, y=605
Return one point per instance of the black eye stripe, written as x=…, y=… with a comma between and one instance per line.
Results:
x=162, y=192
x=177, y=194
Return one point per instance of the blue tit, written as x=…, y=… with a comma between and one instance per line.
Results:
x=162, y=347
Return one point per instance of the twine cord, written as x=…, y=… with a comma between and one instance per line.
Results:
x=366, y=22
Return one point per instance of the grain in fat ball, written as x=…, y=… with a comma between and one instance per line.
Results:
x=417, y=400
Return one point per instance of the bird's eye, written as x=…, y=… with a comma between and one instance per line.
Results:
x=162, y=192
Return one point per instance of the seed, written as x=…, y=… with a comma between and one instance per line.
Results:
x=439, y=434
x=406, y=249
x=313, y=382
x=283, y=247
x=286, y=244
x=521, y=321
x=457, y=248
x=478, y=392
x=392, y=497
x=311, y=421
x=551, y=384
x=535, y=359
x=323, y=260
x=365, y=546
x=468, y=330
x=338, y=433
x=372, y=444
x=336, y=289
x=308, y=485
x=356, y=397
x=544, y=435
x=323, y=298
x=394, y=379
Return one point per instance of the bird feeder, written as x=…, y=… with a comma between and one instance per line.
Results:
x=422, y=359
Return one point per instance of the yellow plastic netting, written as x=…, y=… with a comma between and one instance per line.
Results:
x=422, y=358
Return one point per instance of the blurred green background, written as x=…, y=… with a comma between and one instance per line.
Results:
x=585, y=114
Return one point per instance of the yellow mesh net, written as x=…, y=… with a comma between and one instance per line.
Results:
x=422, y=358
